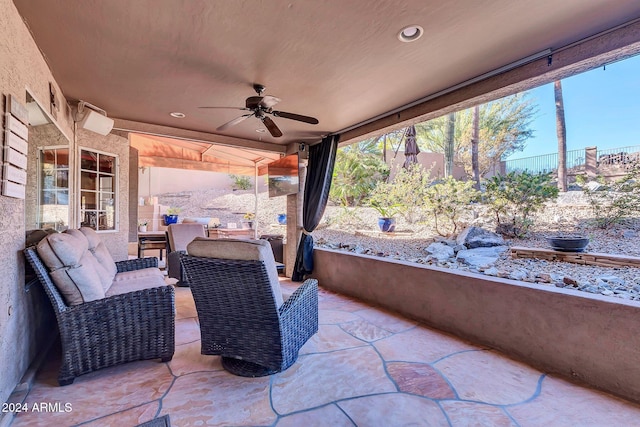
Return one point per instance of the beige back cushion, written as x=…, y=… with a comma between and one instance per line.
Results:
x=74, y=270
x=248, y=250
x=100, y=251
x=180, y=235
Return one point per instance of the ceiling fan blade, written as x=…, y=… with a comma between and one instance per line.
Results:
x=271, y=127
x=269, y=101
x=234, y=122
x=298, y=117
x=227, y=108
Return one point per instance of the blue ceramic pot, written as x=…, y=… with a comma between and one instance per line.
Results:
x=387, y=225
x=170, y=219
x=282, y=219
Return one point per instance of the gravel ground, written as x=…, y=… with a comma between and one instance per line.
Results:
x=356, y=230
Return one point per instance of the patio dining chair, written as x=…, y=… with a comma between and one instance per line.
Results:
x=241, y=311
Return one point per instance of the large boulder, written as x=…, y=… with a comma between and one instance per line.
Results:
x=481, y=257
x=476, y=237
x=440, y=251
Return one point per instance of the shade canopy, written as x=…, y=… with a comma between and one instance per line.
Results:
x=158, y=151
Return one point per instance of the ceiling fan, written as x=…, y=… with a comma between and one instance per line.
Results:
x=261, y=107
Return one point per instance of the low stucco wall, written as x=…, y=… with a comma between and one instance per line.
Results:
x=592, y=338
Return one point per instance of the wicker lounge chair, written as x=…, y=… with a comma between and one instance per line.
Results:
x=240, y=308
x=121, y=328
x=178, y=237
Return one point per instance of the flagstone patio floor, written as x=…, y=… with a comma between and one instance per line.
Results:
x=365, y=367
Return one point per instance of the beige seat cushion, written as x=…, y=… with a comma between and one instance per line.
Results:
x=74, y=270
x=143, y=273
x=100, y=251
x=136, y=280
x=180, y=235
x=237, y=249
x=105, y=276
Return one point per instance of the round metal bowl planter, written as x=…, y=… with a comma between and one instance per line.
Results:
x=568, y=243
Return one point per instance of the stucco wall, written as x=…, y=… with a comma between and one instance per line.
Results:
x=25, y=317
x=21, y=67
x=587, y=337
x=117, y=242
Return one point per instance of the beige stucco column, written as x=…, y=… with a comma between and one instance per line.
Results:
x=294, y=220
x=591, y=163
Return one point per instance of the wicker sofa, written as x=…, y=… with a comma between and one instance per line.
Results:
x=242, y=313
x=108, y=313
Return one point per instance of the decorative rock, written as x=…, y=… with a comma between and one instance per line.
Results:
x=476, y=237
x=458, y=248
x=544, y=277
x=440, y=251
x=491, y=271
x=519, y=275
x=445, y=241
x=481, y=256
x=557, y=277
x=612, y=280
x=602, y=285
x=569, y=281
x=606, y=292
x=629, y=234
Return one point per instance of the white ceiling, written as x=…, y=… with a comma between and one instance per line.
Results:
x=337, y=60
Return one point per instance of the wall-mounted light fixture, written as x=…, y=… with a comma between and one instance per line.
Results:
x=93, y=118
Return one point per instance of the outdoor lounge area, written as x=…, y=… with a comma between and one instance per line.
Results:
x=365, y=367
x=95, y=95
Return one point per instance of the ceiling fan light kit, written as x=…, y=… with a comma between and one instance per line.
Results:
x=261, y=107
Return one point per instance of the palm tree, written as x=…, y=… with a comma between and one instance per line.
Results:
x=449, y=145
x=561, y=131
x=475, y=140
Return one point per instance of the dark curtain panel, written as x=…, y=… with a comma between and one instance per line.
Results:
x=322, y=158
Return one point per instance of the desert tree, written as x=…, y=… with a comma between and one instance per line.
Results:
x=504, y=128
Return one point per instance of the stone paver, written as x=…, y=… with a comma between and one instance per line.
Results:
x=561, y=403
x=365, y=367
x=488, y=377
x=420, y=379
x=318, y=379
x=394, y=409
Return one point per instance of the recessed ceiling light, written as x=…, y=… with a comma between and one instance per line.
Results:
x=178, y=115
x=410, y=33
x=261, y=130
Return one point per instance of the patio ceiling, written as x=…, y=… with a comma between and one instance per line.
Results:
x=339, y=61
x=157, y=151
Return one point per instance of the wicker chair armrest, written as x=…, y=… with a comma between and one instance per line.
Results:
x=302, y=307
x=137, y=264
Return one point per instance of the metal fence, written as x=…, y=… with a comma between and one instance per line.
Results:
x=619, y=156
x=576, y=160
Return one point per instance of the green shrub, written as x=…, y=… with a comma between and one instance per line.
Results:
x=613, y=202
x=447, y=200
x=404, y=195
x=241, y=182
x=515, y=197
x=354, y=177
